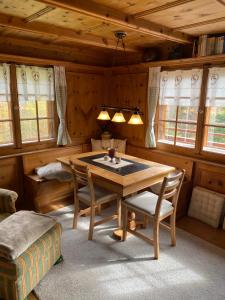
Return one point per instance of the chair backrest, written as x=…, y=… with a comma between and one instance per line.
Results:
x=170, y=189
x=82, y=175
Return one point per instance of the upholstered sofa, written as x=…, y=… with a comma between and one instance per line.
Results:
x=18, y=277
x=7, y=203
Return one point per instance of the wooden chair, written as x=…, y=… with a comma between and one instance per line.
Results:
x=157, y=207
x=92, y=196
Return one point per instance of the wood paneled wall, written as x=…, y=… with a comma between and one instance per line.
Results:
x=129, y=90
x=85, y=94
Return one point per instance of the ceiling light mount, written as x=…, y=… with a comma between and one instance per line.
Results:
x=120, y=34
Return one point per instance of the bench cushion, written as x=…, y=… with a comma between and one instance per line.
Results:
x=20, y=230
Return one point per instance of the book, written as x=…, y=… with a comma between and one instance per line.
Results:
x=219, y=45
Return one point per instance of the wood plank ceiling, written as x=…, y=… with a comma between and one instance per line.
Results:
x=82, y=31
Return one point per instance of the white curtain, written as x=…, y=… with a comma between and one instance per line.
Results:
x=153, y=96
x=216, y=87
x=4, y=83
x=35, y=83
x=180, y=87
x=61, y=100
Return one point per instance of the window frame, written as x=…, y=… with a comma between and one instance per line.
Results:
x=15, y=112
x=198, y=151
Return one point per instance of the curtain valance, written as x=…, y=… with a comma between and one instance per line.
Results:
x=35, y=83
x=180, y=87
x=216, y=87
x=4, y=82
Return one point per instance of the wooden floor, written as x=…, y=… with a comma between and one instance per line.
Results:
x=204, y=231
x=32, y=296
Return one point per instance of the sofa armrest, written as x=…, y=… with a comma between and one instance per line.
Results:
x=7, y=201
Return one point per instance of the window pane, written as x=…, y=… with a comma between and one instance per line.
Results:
x=29, y=131
x=5, y=111
x=186, y=134
x=167, y=112
x=27, y=109
x=166, y=132
x=187, y=113
x=215, y=139
x=46, y=128
x=6, y=133
x=46, y=109
x=217, y=116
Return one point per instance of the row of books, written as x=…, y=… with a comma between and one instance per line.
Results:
x=211, y=45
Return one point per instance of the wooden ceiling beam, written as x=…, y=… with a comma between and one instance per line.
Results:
x=203, y=23
x=49, y=30
x=118, y=18
x=163, y=7
x=51, y=46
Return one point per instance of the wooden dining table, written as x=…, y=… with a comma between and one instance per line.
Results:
x=127, y=177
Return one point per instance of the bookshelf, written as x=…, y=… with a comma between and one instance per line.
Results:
x=208, y=45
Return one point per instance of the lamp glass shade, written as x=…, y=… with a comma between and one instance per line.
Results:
x=135, y=119
x=104, y=115
x=118, y=118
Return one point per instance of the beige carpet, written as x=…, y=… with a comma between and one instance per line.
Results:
x=108, y=269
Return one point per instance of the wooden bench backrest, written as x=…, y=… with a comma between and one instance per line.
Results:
x=34, y=160
x=164, y=158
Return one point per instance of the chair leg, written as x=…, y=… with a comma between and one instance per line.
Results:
x=92, y=219
x=99, y=209
x=173, y=229
x=119, y=212
x=156, y=238
x=76, y=212
x=124, y=210
x=145, y=223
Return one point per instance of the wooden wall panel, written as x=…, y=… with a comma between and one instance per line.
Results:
x=85, y=94
x=9, y=174
x=129, y=90
x=210, y=176
x=177, y=161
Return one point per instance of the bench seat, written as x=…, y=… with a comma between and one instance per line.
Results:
x=45, y=195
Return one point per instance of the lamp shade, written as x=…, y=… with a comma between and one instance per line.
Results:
x=118, y=118
x=104, y=115
x=135, y=119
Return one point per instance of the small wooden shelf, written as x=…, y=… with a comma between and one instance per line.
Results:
x=184, y=62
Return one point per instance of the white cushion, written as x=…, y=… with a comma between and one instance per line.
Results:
x=52, y=171
x=206, y=206
x=98, y=145
x=120, y=145
x=101, y=195
x=147, y=202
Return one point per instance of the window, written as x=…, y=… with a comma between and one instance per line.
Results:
x=27, y=105
x=6, y=122
x=214, y=126
x=178, y=107
x=36, y=103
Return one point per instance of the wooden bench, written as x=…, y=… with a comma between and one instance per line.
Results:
x=46, y=195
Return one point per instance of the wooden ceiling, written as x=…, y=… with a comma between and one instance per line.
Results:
x=83, y=31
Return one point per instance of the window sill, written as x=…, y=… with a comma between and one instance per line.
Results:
x=182, y=145
x=214, y=150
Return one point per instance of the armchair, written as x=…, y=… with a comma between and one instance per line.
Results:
x=7, y=203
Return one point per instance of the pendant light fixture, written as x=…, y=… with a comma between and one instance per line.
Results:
x=135, y=119
x=103, y=115
x=118, y=117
